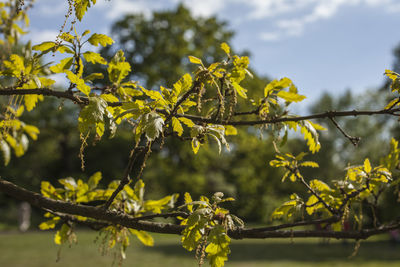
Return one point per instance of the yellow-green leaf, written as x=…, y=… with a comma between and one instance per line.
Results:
x=188, y=199
x=80, y=83
x=230, y=130
x=44, y=46
x=32, y=131
x=290, y=97
x=144, y=237
x=239, y=89
x=30, y=101
x=367, y=166
x=319, y=185
x=64, y=64
x=93, y=76
x=189, y=123
x=64, y=49
x=101, y=39
x=195, y=145
x=195, y=60
x=177, y=126
x=393, y=103
x=183, y=84
x=226, y=48
x=311, y=164
x=391, y=75
x=50, y=224
x=94, y=58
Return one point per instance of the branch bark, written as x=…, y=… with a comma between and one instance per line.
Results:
x=199, y=119
x=106, y=216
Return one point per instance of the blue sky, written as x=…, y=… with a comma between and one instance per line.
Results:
x=322, y=45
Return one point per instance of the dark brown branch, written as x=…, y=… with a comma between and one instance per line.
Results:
x=328, y=114
x=332, y=219
x=301, y=179
x=353, y=139
x=194, y=88
x=45, y=92
x=357, y=235
x=87, y=211
x=106, y=216
x=125, y=178
x=94, y=225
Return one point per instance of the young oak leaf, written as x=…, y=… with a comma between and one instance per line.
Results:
x=94, y=58
x=101, y=39
x=195, y=60
x=177, y=126
x=80, y=83
x=226, y=48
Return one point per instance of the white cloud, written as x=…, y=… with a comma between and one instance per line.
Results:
x=301, y=12
x=314, y=11
x=272, y=8
x=118, y=8
x=204, y=8
x=39, y=36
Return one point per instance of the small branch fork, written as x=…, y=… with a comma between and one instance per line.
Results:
x=125, y=178
x=105, y=217
x=353, y=139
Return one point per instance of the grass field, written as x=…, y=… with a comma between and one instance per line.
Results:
x=35, y=249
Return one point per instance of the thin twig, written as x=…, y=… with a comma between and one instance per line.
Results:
x=326, y=205
x=125, y=178
x=353, y=139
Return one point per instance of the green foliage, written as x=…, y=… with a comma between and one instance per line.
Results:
x=291, y=164
x=81, y=6
x=206, y=228
x=361, y=184
x=129, y=200
x=14, y=134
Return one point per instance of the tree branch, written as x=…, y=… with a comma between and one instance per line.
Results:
x=45, y=92
x=106, y=216
x=181, y=100
x=87, y=211
x=353, y=140
x=125, y=178
x=324, y=115
x=332, y=219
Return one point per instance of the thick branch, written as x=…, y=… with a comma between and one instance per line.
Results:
x=328, y=114
x=87, y=211
x=357, y=235
x=106, y=216
x=332, y=219
x=45, y=92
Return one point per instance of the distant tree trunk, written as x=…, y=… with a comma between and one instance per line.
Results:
x=24, y=216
